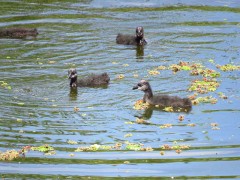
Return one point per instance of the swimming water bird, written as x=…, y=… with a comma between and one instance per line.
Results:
x=18, y=32
x=92, y=80
x=137, y=39
x=161, y=100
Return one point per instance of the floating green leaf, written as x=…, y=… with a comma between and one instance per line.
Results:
x=44, y=148
x=133, y=146
x=228, y=67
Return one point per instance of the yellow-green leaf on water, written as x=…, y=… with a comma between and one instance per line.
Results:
x=129, y=122
x=153, y=72
x=72, y=142
x=186, y=68
x=19, y=120
x=43, y=148
x=128, y=135
x=20, y=104
x=52, y=62
x=211, y=60
x=133, y=146
x=228, y=67
x=168, y=109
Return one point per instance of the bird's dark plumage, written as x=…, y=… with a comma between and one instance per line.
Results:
x=137, y=39
x=91, y=80
x=18, y=32
x=162, y=100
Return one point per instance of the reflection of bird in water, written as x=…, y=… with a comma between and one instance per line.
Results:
x=139, y=52
x=18, y=32
x=137, y=39
x=162, y=100
x=92, y=80
x=73, y=94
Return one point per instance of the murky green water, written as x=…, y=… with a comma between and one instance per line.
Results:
x=39, y=108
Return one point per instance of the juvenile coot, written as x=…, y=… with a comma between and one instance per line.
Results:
x=91, y=80
x=18, y=32
x=137, y=39
x=162, y=100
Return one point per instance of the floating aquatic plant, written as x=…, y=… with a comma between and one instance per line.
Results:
x=195, y=69
x=182, y=65
x=204, y=86
x=72, y=142
x=228, y=67
x=161, y=68
x=46, y=149
x=193, y=97
x=5, y=85
x=117, y=146
x=168, y=109
x=19, y=120
x=221, y=95
x=20, y=103
x=129, y=122
x=205, y=73
x=191, y=125
x=120, y=76
x=181, y=117
x=166, y=126
x=142, y=121
x=106, y=147
x=178, y=148
x=51, y=62
x=125, y=65
x=128, y=135
x=146, y=149
x=206, y=99
x=153, y=72
x=140, y=105
x=94, y=147
x=162, y=153
x=214, y=126
x=9, y=155
x=71, y=155
x=134, y=146
x=76, y=109
x=135, y=75
x=166, y=147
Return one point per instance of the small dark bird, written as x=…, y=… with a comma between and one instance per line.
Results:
x=137, y=39
x=162, y=100
x=92, y=80
x=18, y=32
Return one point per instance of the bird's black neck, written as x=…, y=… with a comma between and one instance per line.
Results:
x=73, y=82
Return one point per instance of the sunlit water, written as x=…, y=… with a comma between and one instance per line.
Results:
x=39, y=109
